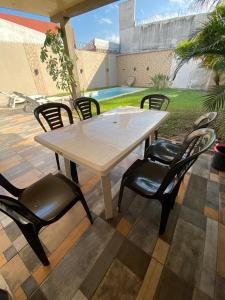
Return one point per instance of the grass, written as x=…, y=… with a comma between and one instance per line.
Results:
x=185, y=107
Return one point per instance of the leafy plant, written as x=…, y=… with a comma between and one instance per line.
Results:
x=160, y=81
x=208, y=44
x=59, y=64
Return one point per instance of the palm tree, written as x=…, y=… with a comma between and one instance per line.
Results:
x=208, y=44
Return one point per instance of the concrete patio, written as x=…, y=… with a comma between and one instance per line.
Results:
x=119, y=259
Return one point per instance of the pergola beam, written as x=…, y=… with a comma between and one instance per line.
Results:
x=81, y=8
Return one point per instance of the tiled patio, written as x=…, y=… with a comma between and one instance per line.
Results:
x=121, y=259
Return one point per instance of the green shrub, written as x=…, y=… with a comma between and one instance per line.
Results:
x=160, y=81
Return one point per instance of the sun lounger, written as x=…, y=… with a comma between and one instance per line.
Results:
x=13, y=99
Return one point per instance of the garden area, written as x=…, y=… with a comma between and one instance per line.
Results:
x=184, y=108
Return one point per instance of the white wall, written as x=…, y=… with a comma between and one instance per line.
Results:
x=190, y=76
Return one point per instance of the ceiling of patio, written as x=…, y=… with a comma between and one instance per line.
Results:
x=55, y=8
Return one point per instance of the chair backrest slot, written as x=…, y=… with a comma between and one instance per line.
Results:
x=83, y=106
x=155, y=101
x=52, y=114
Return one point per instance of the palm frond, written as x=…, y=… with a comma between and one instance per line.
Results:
x=215, y=98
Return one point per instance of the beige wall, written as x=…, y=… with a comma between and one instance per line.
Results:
x=19, y=61
x=156, y=61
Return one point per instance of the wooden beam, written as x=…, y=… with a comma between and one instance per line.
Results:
x=81, y=8
x=69, y=41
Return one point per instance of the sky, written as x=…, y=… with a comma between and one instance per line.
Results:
x=104, y=22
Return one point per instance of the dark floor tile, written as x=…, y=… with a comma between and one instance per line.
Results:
x=30, y=286
x=202, y=166
x=98, y=271
x=29, y=258
x=10, y=252
x=65, y=279
x=12, y=231
x=186, y=252
x=119, y=283
x=220, y=288
x=212, y=199
x=171, y=287
x=134, y=258
x=199, y=295
x=38, y=295
x=133, y=211
x=145, y=231
x=195, y=196
x=193, y=217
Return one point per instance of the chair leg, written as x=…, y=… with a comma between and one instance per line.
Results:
x=74, y=173
x=120, y=195
x=57, y=161
x=166, y=207
x=85, y=206
x=147, y=144
x=31, y=235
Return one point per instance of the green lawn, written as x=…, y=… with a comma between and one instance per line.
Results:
x=185, y=107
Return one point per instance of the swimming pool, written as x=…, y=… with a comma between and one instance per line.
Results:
x=106, y=94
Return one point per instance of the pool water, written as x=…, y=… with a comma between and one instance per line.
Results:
x=112, y=92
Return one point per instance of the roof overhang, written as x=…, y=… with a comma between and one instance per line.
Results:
x=55, y=9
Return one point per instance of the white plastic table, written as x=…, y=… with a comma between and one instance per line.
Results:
x=103, y=141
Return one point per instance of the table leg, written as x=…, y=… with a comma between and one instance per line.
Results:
x=67, y=168
x=107, y=195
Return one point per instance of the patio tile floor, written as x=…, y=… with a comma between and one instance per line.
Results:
x=123, y=258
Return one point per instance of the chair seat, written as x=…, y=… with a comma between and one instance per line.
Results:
x=145, y=177
x=50, y=196
x=162, y=151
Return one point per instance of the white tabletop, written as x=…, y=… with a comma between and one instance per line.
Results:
x=102, y=141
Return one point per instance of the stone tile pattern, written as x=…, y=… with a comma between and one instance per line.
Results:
x=119, y=259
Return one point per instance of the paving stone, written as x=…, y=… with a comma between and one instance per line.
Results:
x=15, y=276
x=161, y=251
x=194, y=217
x=96, y=274
x=202, y=166
x=20, y=242
x=208, y=273
x=5, y=243
x=186, y=252
x=10, y=252
x=212, y=199
x=220, y=288
x=135, y=208
x=221, y=251
x=195, y=197
x=38, y=295
x=29, y=286
x=172, y=287
x=134, y=258
x=145, y=231
x=65, y=279
x=79, y=296
x=29, y=258
x=199, y=295
x=222, y=207
x=118, y=281
x=12, y=231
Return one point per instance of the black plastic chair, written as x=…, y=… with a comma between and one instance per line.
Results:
x=52, y=114
x=165, y=151
x=83, y=107
x=155, y=101
x=157, y=181
x=40, y=204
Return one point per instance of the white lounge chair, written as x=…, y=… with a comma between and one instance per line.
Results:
x=31, y=102
x=13, y=99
